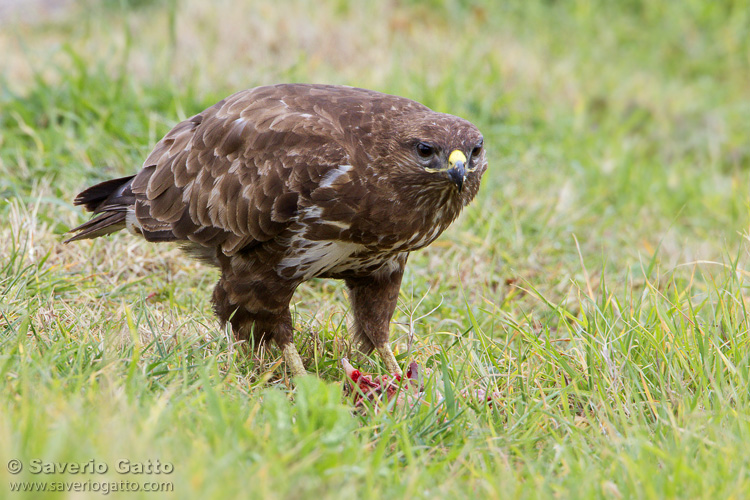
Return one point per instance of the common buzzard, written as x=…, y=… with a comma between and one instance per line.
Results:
x=276, y=185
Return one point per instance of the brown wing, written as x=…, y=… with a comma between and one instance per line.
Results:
x=239, y=173
x=232, y=175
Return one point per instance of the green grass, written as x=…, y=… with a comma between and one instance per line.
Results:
x=599, y=282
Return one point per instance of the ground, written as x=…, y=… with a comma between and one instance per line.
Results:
x=599, y=283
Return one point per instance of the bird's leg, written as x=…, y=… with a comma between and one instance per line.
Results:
x=373, y=300
x=279, y=327
x=293, y=359
x=256, y=322
x=388, y=358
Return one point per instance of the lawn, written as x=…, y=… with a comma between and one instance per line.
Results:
x=600, y=282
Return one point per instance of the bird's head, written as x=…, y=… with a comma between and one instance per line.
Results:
x=439, y=157
x=451, y=161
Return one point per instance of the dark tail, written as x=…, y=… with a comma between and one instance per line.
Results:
x=110, y=202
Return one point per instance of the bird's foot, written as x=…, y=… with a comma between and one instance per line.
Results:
x=293, y=360
x=389, y=359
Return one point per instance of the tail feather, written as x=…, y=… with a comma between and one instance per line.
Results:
x=110, y=201
x=105, y=223
x=94, y=197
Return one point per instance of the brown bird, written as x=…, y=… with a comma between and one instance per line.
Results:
x=280, y=184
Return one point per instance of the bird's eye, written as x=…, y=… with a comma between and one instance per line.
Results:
x=477, y=149
x=425, y=150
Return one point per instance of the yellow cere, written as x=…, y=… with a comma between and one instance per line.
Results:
x=456, y=156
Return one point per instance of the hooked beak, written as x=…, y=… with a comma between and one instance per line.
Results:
x=457, y=168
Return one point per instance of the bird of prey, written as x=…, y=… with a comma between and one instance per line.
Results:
x=280, y=184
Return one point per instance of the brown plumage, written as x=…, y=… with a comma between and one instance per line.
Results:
x=279, y=184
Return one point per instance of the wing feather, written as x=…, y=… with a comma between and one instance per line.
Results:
x=240, y=172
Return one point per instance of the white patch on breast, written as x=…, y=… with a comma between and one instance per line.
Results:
x=313, y=258
x=330, y=177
